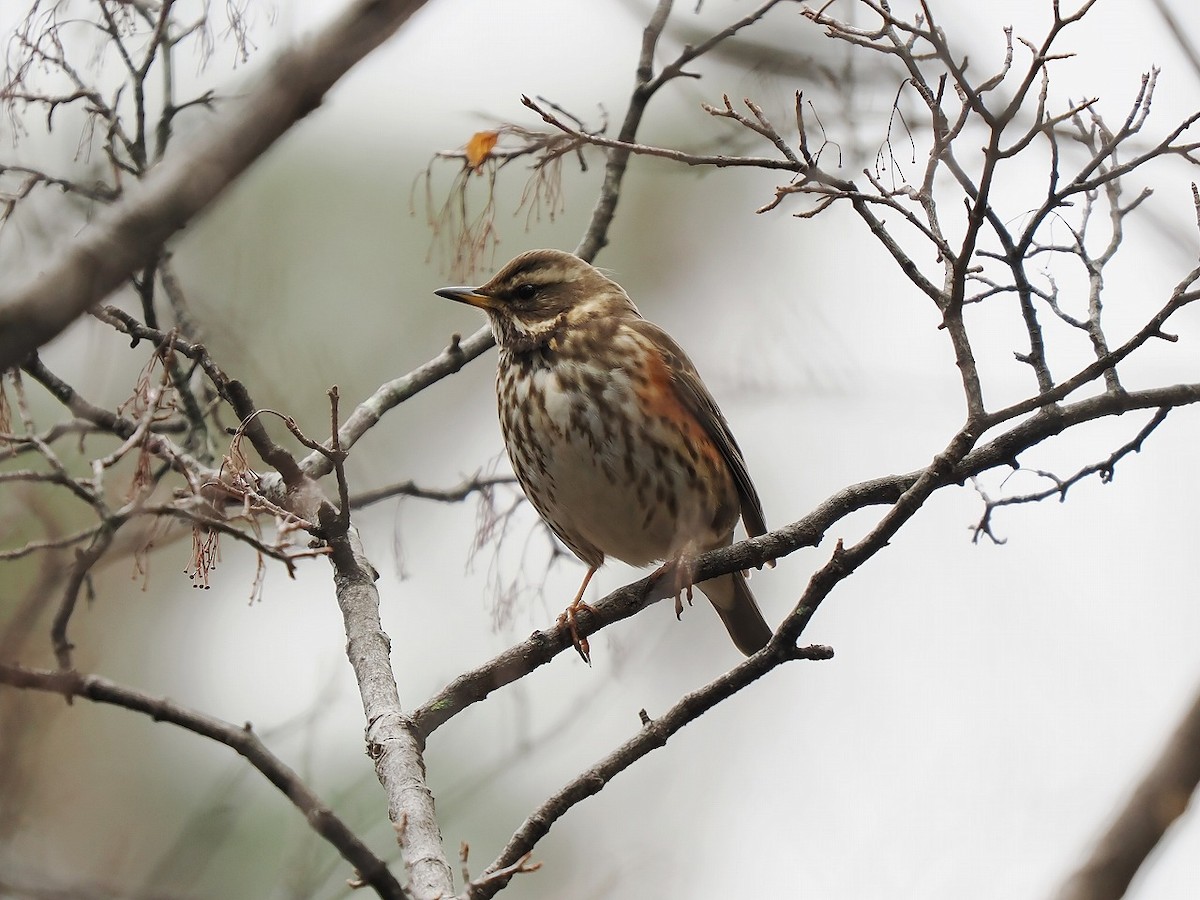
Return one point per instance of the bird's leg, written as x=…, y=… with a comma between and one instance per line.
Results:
x=682, y=569
x=568, y=617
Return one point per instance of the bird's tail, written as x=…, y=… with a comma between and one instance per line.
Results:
x=731, y=598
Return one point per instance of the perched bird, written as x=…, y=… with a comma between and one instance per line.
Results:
x=613, y=436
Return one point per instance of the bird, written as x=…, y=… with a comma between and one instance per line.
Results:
x=612, y=434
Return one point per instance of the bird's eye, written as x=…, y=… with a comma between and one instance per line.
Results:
x=526, y=291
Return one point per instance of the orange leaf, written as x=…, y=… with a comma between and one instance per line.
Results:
x=479, y=147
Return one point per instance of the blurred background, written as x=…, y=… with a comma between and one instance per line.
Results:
x=988, y=705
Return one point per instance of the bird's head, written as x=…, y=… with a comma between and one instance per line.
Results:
x=543, y=293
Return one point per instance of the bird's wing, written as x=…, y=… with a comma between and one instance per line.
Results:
x=700, y=403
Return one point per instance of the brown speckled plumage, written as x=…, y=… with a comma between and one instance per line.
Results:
x=611, y=432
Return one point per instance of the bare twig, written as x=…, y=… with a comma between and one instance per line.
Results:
x=389, y=395
x=444, y=495
x=647, y=84
x=1104, y=469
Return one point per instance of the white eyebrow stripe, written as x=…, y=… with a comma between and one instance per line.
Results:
x=548, y=275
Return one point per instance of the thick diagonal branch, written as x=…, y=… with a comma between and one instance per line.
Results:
x=1002, y=450
x=1160, y=799
x=126, y=235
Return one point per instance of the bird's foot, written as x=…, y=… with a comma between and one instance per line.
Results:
x=681, y=571
x=578, y=641
x=568, y=618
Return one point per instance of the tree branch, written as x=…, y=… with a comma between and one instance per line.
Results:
x=129, y=233
x=654, y=734
x=1003, y=450
x=391, y=740
x=1158, y=801
x=393, y=393
x=241, y=739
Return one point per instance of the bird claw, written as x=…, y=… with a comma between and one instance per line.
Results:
x=683, y=570
x=579, y=642
x=568, y=615
x=679, y=601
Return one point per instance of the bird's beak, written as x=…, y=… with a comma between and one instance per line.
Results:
x=468, y=295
